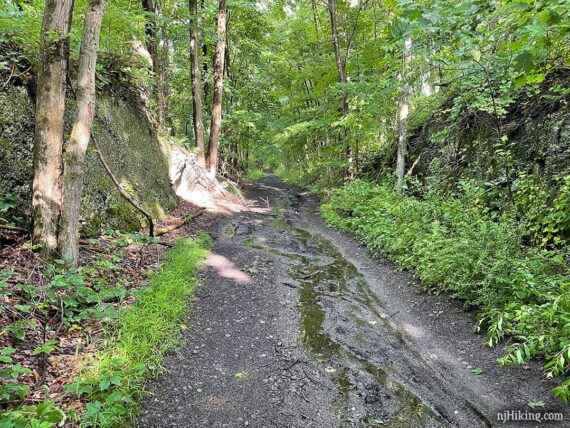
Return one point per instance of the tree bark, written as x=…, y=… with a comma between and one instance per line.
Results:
x=403, y=122
x=159, y=65
x=75, y=152
x=339, y=61
x=151, y=34
x=216, y=122
x=163, y=90
x=196, y=83
x=340, y=64
x=50, y=111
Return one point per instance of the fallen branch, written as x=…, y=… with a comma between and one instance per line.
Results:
x=14, y=228
x=309, y=275
x=122, y=191
x=235, y=186
x=409, y=173
x=185, y=220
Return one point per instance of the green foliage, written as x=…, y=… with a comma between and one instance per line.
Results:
x=453, y=245
x=254, y=174
x=42, y=415
x=18, y=329
x=135, y=349
x=6, y=203
x=76, y=298
x=546, y=209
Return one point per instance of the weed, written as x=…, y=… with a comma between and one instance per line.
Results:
x=145, y=332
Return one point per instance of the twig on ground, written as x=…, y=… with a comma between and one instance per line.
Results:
x=13, y=228
x=236, y=188
x=309, y=275
x=185, y=220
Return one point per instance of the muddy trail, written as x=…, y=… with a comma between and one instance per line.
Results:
x=295, y=326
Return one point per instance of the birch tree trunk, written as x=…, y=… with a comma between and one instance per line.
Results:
x=76, y=149
x=216, y=123
x=50, y=111
x=404, y=113
x=196, y=83
x=340, y=64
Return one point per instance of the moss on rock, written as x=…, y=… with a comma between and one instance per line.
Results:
x=129, y=144
x=16, y=133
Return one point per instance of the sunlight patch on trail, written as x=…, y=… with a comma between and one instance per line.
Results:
x=227, y=269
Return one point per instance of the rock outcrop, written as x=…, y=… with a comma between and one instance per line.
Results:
x=127, y=140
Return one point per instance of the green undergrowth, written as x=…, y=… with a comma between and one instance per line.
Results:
x=134, y=351
x=254, y=174
x=522, y=292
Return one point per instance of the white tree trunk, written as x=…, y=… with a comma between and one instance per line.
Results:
x=404, y=113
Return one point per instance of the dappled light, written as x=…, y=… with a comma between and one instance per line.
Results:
x=226, y=268
x=414, y=330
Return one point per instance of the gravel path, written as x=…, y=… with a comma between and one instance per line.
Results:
x=295, y=326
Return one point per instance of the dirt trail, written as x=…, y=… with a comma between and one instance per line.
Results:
x=295, y=326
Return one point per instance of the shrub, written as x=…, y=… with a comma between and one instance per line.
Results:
x=454, y=246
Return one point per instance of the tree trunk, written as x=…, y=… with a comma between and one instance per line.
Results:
x=404, y=112
x=216, y=123
x=163, y=90
x=340, y=64
x=74, y=156
x=50, y=110
x=151, y=34
x=159, y=68
x=339, y=61
x=196, y=83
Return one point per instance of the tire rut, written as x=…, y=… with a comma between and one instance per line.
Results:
x=288, y=331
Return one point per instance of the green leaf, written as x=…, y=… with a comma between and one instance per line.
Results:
x=477, y=55
x=7, y=351
x=104, y=384
x=524, y=62
x=536, y=404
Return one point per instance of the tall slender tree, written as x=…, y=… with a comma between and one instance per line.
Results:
x=76, y=149
x=404, y=112
x=196, y=84
x=216, y=123
x=50, y=110
x=343, y=79
x=157, y=46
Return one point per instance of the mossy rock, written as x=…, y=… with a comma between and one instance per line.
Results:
x=128, y=142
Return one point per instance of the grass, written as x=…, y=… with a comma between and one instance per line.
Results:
x=135, y=350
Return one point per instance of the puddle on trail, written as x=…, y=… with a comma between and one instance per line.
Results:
x=330, y=287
